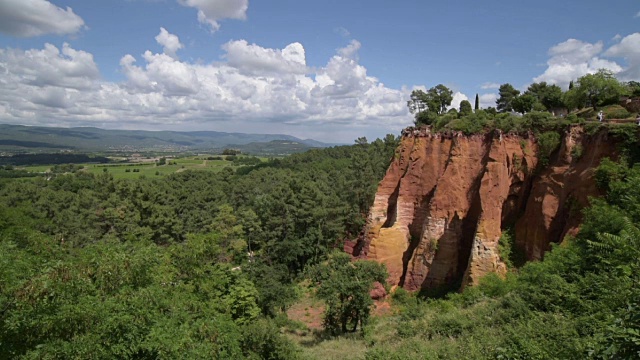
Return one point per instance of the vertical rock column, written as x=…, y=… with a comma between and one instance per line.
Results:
x=382, y=247
x=436, y=260
x=510, y=162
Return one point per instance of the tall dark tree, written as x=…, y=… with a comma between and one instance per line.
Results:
x=524, y=104
x=477, y=104
x=440, y=98
x=507, y=94
x=465, y=108
x=550, y=96
x=427, y=106
x=418, y=102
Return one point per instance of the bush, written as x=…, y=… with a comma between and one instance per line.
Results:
x=574, y=119
x=539, y=119
x=468, y=125
x=262, y=340
x=548, y=142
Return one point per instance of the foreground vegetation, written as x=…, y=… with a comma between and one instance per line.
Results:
x=99, y=262
x=194, y=264
x=581, y=302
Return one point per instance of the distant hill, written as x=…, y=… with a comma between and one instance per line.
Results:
x=37, y=138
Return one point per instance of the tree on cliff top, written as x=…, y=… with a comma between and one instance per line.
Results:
x=594, y=90
x=427, y=106
x=523, y=104
x=507, y=94
x=465, y=108
x=548, y=95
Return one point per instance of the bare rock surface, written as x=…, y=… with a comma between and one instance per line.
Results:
x=446, y=198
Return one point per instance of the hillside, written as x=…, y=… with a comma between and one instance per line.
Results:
x=32, y=138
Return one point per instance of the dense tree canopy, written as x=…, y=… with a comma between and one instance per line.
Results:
x=427, y=106
x=465, y=108
x=507, y=94
x=523, y=103
x=550, y=96
x=594, y=90
x=191, y=265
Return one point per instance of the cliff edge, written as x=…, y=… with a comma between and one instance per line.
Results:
x=446, y=198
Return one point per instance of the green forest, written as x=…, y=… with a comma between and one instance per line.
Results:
x=206, y=264
x=196, y=264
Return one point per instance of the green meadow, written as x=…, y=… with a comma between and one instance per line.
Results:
x=135, y=170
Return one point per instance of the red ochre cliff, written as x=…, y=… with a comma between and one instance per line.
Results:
x=446, y=198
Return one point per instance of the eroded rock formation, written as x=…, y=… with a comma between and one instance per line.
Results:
x=446, y=198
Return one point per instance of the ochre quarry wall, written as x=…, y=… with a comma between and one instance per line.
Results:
x=446, y=198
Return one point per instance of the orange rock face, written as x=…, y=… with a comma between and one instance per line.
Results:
x=441, y=208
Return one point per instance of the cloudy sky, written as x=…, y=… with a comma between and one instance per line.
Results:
x=332, y=70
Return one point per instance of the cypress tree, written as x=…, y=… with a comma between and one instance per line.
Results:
x=570, y=84
x=477, y=104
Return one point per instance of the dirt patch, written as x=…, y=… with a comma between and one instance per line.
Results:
x=307, y=311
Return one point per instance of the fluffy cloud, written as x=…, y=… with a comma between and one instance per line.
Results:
x=70, y=68
x=351, y=50
x=25, y=18
x=170, y=43
x=256, y=60
x=211, y=11
x=488, y=100
x=572, y=59
x=255, y=89
x=629, y=49
x=457, y=99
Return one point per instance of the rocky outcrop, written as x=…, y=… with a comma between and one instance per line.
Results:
x=440, y=210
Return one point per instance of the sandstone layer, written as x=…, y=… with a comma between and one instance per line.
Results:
x=441, y=208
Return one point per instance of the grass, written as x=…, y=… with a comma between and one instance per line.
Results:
x=148, y=169
x=314, y=343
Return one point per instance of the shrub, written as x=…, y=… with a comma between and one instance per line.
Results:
x=468, y=125
x=577, y=151
x=548, y=142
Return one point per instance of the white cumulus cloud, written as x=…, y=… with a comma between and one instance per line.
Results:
x=458, y=97
x=211, y=11
x=487, y=100
x=572, y=59
x=253, y=89
x=26, y=18
x=254, y=59
x=170, y=43
x=628, y=49
x=68, y=68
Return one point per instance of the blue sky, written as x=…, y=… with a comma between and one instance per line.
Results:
x=330, y=70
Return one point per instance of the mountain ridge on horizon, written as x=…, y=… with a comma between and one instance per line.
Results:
x=24, y=137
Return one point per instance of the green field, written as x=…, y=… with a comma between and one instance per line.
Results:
x=148, y=169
